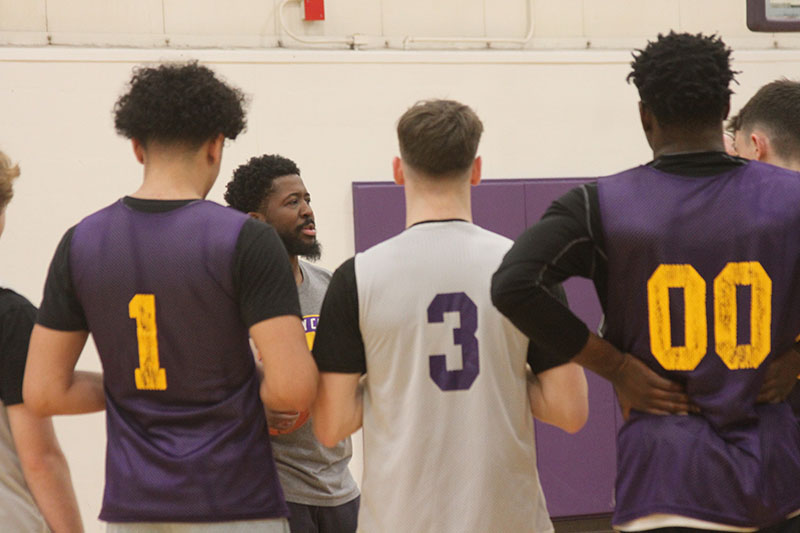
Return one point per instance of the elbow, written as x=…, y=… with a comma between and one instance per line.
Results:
x=323, y=431
x=304, y=393
x=302, y=398
x=575, y=414
x=295, y=395
x=327, y=440
x=36, y=400
x=575, y=421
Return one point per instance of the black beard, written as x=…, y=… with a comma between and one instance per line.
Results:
x=297, y=247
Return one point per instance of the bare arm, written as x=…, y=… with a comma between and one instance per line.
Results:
x=45, y=469
x=290, y=374
x=638, y=386
x=52, y=385
x=338, y=410
x=559, y=396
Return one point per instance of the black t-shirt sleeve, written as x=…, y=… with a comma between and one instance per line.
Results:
x=16, y=323
x=262, y=275
x=338, y=345
x=566, y=242
x=539, y=359
x=60, y=307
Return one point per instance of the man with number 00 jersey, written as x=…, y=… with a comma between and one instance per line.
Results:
x=410, y=346
x=696, y=260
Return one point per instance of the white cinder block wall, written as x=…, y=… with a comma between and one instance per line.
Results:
x=383, y=23
x=560, y=107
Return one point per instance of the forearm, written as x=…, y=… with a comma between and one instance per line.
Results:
x=338, y=410
x=289, y=372
x=293, y=390
x=49, y=481
x=601, y=357
x=44, y=467
x=638, y=386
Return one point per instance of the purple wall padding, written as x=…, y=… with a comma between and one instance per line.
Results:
x=577, y=471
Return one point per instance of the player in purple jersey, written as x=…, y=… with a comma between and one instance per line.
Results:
x=767, y=129
x=696, y=261
x=171, y=287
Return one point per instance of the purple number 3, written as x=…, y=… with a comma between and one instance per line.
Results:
x=463, y=336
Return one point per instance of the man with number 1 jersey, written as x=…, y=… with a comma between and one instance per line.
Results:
x=696, y=261
x=170, y=285
x=409, y=345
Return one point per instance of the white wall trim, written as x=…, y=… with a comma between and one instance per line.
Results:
x=67, y=54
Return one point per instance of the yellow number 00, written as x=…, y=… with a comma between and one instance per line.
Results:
x=149, y=375
x=687, y=357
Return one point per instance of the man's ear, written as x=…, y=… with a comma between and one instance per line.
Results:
x=760, y=144
x=649, y=123
x=475, y=176
x=214, y=149
x=258, y=216
x=397, y=171
x=138, y=150
x=646, y=118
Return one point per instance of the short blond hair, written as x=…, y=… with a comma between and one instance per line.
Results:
x=8, y=174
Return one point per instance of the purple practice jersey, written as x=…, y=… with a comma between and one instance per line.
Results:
x=704, y=280
x=187, y=435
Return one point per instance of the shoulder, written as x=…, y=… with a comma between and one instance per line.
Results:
x=220, y=210
x=220, y=214
x=315, y=281
x=100, y=215
x=347, y=268
x=627, y=174
x=344, y=277
x=11, y=301
x=315, y=271
x=765, y=169
x=489, y=236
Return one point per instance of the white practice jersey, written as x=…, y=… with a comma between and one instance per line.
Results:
x=448, y=430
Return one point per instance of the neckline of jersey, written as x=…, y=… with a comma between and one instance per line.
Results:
x=438, y=220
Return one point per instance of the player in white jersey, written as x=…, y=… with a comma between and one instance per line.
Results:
x=410, y=346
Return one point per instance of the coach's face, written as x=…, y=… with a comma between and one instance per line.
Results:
x=288, y=209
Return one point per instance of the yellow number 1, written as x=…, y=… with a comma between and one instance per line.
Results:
x=149, y=376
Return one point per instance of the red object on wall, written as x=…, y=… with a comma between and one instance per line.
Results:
x=315, y=10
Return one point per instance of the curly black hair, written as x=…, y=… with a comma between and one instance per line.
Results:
x=179, y=102
x=775, y=108
x=684, y=78
x=252, y=182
